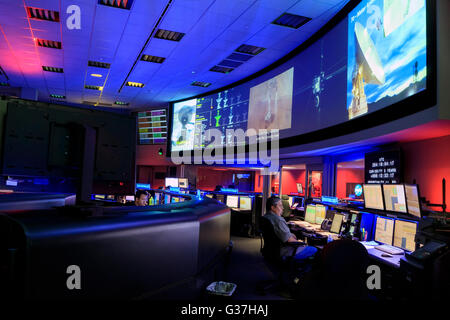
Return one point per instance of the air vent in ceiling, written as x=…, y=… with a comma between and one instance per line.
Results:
x=200, y=84
x=230, y=63
x=291, y=20
x=99, y=64
x=239, y=57
x=43, y=14
x=57, y=96
x=134, y=84
x=168, y=35
x=93, y=87
x=221, y=69
x=248, y=49
x=48, y=44
x=53, y=69
x=121, y=103
x=121, y=4
x=146, y=57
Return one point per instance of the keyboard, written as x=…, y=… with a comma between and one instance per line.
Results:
x=390, y=249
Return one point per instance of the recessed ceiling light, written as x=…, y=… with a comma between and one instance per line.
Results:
x=96, y=75
x=134, y=84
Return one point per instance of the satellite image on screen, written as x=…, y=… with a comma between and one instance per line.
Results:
x=387, y=50
x=270, y=105
x=183, y=125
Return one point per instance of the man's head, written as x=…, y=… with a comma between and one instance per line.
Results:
x=141, y=198
x=275, y=205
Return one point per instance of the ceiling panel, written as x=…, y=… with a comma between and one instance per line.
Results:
x=213, y=30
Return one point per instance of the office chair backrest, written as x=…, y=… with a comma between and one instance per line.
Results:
x=286, y=206
x=272, y=244
x=345, y=265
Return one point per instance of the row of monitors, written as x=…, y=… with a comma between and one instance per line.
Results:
x=234, y=202
x=402, y=198
x=317, y=213
x=177, y=182
x=399, y=233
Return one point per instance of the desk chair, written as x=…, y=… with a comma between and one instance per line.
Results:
x=341, y=274
x=285, y=266
x=286, y=208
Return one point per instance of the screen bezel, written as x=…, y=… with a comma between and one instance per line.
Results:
x=418, y=196
x=410, y=105
x=395, y=227
x=382, y=196
x=238, y=203
x=375, y=231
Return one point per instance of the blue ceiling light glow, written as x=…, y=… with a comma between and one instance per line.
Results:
x=214, y=31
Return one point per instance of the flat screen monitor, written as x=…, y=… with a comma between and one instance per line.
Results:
x=100, y=197
x=157, y=196
x=412, y=200
x=384, y=230
x=310, y=214
x=174, y=199
x=404, y=235
x=129, y=198
x=394, y=197
x=291, y=201
x=337, y=223
x=167, y=199
x=110, y=197
x=209, y=195
x=172, y=182
x=233, y=201
x=321, y=212
x=183, y=182
x=220, y=197
x=245, y=203
x=373, y=196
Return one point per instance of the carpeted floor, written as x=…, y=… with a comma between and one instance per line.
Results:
x=247, y=269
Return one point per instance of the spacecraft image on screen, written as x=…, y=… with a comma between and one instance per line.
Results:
x=386, y=54
x=270, y=105
x=183, y=125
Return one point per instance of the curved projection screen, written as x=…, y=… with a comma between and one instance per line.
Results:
x=372, y=59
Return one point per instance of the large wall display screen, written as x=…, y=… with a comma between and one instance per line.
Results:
x=372, y=59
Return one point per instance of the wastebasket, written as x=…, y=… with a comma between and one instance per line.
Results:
x=221, y=290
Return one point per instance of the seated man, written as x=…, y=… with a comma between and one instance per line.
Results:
x=274, y=209
x=140, y=199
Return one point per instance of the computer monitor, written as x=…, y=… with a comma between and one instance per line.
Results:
x=100, y=197
x=157, y=196
x=373, y=196
x=245, y=203
x=384, y=230
x=321, y=212
x=183, y=182
x=172, y=182
x=291, y=201
x=167, y=199
x=209, y=195
x=394, y=197
x=412, y=200
x=404, y=235
x=233, y=201
x=220, y=197
x=174, y=199
x=337, y=223
x=310, y=214
x=129, y=198
x=110, y=197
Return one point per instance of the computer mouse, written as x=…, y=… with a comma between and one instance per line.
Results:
x=385, y=255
